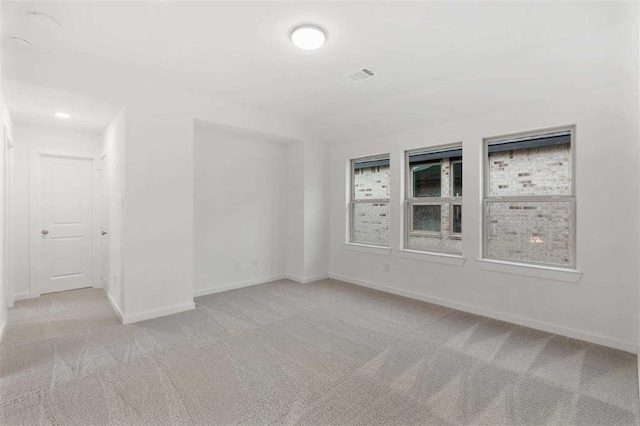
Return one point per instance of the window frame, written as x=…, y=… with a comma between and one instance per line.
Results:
x=452, y=183
x=410, y=201
x=571, y=197
x=452, y=233
x=452, y=186
x=353, y=201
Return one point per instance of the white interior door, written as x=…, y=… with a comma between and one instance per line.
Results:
x=64, y=229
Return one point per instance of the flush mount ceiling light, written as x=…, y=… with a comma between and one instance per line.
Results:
x=19, y=42
x=62, y=115
x=43, y=19
x=308, y=36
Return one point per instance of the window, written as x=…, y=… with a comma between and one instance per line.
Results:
x=369, y=206
x=434, y=200
x=529, y=206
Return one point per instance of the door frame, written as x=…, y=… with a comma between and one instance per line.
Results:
x=103, y=167
x=7, y=146
x=35, y=154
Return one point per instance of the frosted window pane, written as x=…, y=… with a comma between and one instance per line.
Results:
x=532, y=171
x=427, y=218
x=535, y=231
x=371, y=223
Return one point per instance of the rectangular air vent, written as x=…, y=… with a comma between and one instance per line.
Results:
x=361, y=75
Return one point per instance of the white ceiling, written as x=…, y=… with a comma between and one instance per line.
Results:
x=436, y=61
x=36, y=105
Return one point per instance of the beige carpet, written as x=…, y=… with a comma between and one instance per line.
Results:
x=326, y=353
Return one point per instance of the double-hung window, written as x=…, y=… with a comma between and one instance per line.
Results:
x=434, y=200
x=529, y=202
x=369, y=206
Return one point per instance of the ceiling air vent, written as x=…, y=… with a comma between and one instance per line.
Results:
x=361, y=75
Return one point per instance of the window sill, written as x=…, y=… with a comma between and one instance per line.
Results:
x=425, y=234
x=442, y=258
x=434, y=235
x=364, y=248
x=545, y=272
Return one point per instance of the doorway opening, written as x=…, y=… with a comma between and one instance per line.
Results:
x=60, y=211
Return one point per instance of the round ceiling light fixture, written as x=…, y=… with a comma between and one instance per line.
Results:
x=43, y=19
x=308, y=36
x=62, y=115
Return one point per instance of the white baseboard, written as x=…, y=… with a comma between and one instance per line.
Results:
x=3, y=326
x=130, y=319
x=115, y=307
x=22, y=296
x=233, y=286
x=294, y=278
x=306, y=280
x=514, y=319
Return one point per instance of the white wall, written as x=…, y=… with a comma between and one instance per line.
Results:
x=25, y=138
x=603, y=305
x=295, y=213
x=6, y=124
x=316, y=219
x=307, y=236
x=157, y=247
x=240, y=210
x=4, y=285
x=113, y=140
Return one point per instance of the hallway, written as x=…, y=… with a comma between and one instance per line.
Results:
x=63, y=315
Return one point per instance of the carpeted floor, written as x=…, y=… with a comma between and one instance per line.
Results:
x=326, y=353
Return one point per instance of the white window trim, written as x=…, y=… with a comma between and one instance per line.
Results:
x=452, y=178
x=530, y=270
x=454, y=235
x=410, y=201
x=511, y=265
x=350, y=244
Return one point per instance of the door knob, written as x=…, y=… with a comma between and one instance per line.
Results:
x=45, y=231
x=104, y=232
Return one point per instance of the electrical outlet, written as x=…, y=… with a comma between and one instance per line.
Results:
x=237, y=266
x=254, y=263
